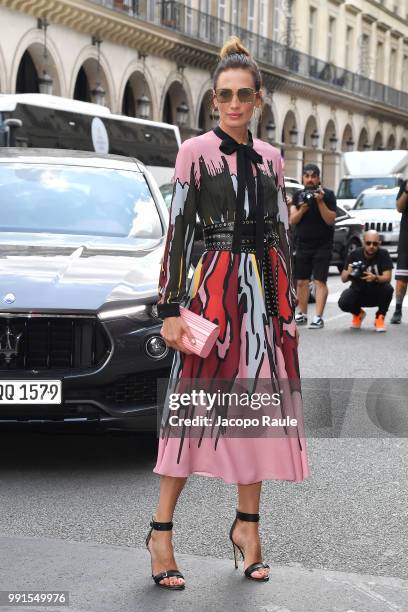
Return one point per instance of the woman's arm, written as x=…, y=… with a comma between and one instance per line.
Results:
x=178, y=248
x=180, y=234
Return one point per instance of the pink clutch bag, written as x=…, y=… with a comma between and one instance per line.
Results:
x=204, y=331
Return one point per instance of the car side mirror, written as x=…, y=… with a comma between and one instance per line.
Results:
x=346, y=206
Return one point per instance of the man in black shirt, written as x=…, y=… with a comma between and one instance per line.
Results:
x=370, y=283
x=401, y=273
x=313, y=213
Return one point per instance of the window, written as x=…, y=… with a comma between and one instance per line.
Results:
x=251, y=23
x=221, y=22
x=331, y=46
x=290, y=30
x=393, y=65
x=312, y=30
x=349, y=49
x=75, y=200
x=251, y=15
x=205, y=18
x=150, y=9
x=235, y=12
x=379, y=67
x=404, y=71
x=276, y=19
x=204, y=6
x=189, y=17
x=364, y=55
x=263, y=18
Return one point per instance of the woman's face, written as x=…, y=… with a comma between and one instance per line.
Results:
x=236, y=113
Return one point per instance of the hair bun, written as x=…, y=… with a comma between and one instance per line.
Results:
x=233, y=46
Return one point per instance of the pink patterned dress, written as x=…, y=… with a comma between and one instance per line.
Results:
x=256, y=342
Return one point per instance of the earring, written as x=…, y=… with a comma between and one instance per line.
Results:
x=214, y=113
x=257, y=114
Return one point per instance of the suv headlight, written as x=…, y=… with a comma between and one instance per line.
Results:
x=141, y=312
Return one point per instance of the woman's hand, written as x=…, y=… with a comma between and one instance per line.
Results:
x=172, y=330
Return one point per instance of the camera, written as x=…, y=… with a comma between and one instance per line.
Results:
x=308, y=195
x=359, y=268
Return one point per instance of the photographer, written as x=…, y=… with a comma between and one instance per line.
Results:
x=369, y=269
x=313, y=213
x=401, y=273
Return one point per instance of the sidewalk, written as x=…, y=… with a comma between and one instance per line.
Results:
x=102, y=578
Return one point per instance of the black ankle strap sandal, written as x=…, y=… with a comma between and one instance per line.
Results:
x=170, y=572
x=244, y=516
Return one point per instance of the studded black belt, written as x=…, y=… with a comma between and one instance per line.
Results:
x=219, y=237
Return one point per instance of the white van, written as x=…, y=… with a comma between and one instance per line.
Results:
x=365, y=169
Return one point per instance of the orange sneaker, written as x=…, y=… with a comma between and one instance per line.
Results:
x=358, y=319
x=379, y=324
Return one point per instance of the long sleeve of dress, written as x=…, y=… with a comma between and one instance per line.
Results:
x=180, y=236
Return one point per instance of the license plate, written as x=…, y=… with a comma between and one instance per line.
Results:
x=29, y=392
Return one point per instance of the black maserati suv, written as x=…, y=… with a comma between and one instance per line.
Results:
x=81, y=240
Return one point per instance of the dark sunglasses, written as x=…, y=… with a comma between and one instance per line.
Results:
x=371, y=242
x=245, y=94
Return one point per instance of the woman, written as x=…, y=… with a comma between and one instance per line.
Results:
x=243, y=282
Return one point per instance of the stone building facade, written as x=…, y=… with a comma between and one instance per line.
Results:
x=334, y=71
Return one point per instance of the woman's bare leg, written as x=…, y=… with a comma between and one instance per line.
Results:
x=160, y=545
x=246, y=532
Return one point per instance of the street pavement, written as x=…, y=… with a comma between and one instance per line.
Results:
x=75, y=508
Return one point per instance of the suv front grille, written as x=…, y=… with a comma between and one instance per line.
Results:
x=378, y=226
x=46, y=342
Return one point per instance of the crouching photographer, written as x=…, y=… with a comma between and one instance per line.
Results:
x=369, y=270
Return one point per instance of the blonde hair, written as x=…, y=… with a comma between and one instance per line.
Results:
x=234, y=54
x=233, y=46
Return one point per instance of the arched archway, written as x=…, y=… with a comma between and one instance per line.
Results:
x=347, y=141
x=403, y=144
x=206, y=118
x=363, y=144
x=378, y=142
x=330, y=158
x=292, y=155
x=86, y=80
x=82, y=89
x=136, y=87
x=267, y=119
x=31, y=68
x=27, y=75
x=176, y=98
x=311, y=140
x=289, y=125
x=391, y=142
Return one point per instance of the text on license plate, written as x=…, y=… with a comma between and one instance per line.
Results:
x=28, y=392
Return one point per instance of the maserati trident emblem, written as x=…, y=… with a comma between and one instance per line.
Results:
x=9, y=298
x=9, y=343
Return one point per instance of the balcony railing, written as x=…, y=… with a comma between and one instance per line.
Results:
x=206, y=28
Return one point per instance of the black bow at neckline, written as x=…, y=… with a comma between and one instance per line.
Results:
x=246, y=155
